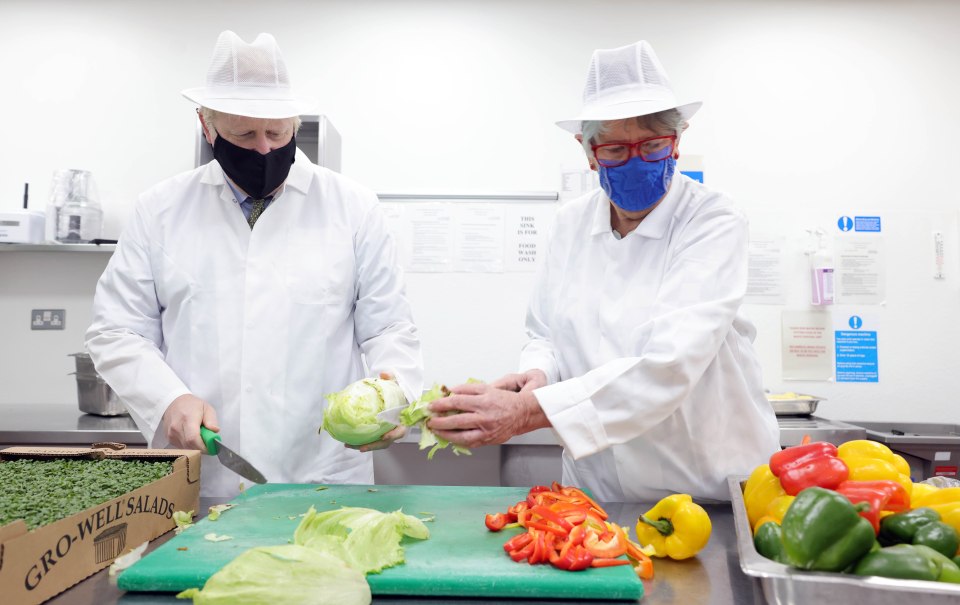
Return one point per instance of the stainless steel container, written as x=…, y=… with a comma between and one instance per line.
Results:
x=783, y=585
x=93, y=394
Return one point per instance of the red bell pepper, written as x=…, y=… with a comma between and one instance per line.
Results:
x=496, y=521
x=881, y=495
x=808, y=465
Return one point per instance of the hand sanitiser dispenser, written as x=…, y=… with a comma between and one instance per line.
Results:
x=821, y=274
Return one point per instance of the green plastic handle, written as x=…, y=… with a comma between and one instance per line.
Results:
x=209, y=439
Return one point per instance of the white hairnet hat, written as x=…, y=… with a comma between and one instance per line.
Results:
x=249, y=80
x=623, y=83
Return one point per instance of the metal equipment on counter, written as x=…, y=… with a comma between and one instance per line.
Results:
x=94, y=395
x=932, y=450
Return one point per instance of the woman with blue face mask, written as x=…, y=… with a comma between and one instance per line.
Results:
x=639, y=357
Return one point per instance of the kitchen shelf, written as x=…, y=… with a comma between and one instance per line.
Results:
x=58, y=248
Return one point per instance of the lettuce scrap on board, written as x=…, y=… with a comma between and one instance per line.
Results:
x=351, y=414
x=278, y=575
x=327, y=563
x=367, y=539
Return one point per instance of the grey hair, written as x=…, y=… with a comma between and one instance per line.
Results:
x=668, y=121
x=209, y=115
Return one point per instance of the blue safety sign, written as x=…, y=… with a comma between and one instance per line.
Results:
x=845, y=223
x=869, y=224
x=856, y=354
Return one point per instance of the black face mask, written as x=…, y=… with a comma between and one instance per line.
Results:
x=255, y=173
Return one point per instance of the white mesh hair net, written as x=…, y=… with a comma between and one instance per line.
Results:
x=236, y=63
x=626, y=82
x=249, y=79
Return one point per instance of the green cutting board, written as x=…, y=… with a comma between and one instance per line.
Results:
x=461, y=557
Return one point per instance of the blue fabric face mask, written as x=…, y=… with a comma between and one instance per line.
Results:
x=637, y=185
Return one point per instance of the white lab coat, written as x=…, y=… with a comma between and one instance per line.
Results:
x=654, y=384
x=261, y=324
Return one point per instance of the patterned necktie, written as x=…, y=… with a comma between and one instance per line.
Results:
x=256, y=209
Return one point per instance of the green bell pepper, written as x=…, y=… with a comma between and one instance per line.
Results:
x=902, y=561
x=947, y=569
x=823, y=531
x=919, y=526
x=769, y=541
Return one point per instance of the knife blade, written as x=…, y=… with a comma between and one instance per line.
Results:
x=391, y=415
x=228, y=457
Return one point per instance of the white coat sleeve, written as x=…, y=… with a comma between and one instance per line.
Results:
x=383, y=321
x=701, y=291
x=125, y=338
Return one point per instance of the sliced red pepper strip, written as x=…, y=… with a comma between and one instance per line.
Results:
x=517, y=542
x=495, y=522
x=578, y=493
x=552, y=516
x=575, y=559
x=606, y=547
x=548, y=528
x=643, y=564
x=608, y=562
x=523, y=553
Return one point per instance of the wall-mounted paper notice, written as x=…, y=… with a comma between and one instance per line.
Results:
x=861, y=272
x=765, y=279
x=431, y=237
x=807, y=341
x=526, y=235
x=479, y=238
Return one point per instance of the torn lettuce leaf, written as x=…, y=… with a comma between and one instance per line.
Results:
x=367, y=539
x=351, y=414
x=217, y=509
x=277, y=575
x=418, y=413
x=183, y=519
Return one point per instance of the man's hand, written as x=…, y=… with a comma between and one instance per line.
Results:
x=528, y=381
x=488, y=415
x=182, y=421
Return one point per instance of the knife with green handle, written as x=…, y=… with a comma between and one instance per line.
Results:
x=228, y=457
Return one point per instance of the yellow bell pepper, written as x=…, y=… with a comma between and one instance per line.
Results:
x=944, y=495
x=872, y=460
x=676, y=527
x=921, y=491
x=949, y=513
x=775, y=511
x=761, y=489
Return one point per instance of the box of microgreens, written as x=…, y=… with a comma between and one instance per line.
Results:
x=66, y=513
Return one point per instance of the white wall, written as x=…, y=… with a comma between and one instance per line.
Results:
x=809, y=106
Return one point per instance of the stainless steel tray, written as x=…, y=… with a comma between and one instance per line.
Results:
x=783, y=585
x=799, y=405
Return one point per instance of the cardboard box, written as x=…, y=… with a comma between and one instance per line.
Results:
x=37, y=565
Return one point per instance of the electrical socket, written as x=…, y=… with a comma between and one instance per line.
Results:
x=48, y=319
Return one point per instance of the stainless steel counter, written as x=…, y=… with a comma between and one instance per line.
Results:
x=713, y=577
x=49, y=424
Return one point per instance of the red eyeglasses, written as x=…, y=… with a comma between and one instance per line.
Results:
x=656, y=149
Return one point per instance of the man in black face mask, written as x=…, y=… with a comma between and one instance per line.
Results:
x=245, y=290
